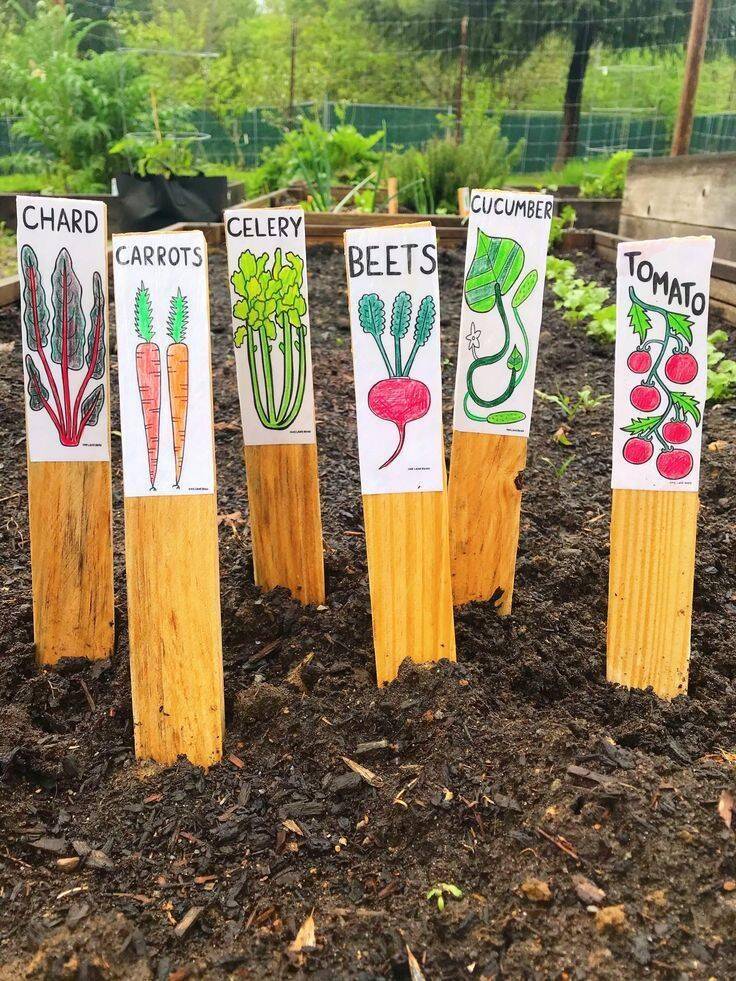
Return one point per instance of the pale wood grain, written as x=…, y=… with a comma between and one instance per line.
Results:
x=650, y=591
x=285, y=520
x=70, y=516
x=409, y=574
x=172, y=570
x=485, y=511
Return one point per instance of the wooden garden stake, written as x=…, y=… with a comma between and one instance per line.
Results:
x=392, y=193
x=274, y=367
x=62, y=263
x=659, y=393
x=394, y=318
x=163, y=342
x=463, y=201
x=494, y=388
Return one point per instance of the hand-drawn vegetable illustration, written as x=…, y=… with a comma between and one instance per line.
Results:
x=148, y=371
x=177, y=364
x=670, y=426
x=68, y=347
x=398, y=399
x=497, y=265
x=272, y=308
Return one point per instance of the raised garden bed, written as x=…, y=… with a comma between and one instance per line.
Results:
x=517, y=764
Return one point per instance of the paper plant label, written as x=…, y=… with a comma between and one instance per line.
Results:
x=163, y=343
x=395, y=328
x=501, y=311
x=62, y=266
x=267, y=263
x=662, y=295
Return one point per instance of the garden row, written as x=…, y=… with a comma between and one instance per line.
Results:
x=428, y=547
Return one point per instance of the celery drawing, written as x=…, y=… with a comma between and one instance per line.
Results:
x=272, y=307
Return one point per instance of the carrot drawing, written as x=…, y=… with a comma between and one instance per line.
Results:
x=177, y=363
x=148, y=370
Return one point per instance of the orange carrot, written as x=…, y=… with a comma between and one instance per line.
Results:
x=148, y=371
x=177, y=363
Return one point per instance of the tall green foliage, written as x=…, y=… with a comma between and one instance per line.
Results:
x=429, y=179
x=70, y=103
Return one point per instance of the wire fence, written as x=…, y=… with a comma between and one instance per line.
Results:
x=628, y=67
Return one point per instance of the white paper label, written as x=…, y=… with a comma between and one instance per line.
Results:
x=662, y=293
x=267, y=263
x=501, y=312
x=395, y=328
x=163, y=345
x=62, y=266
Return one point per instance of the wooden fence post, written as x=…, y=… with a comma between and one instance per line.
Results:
x=171, y=546
x=394, y=317
x=276, y=398
x=659, y=394
x=63, y=277
x=494, y=388
x=697, y=40
x=392, y=193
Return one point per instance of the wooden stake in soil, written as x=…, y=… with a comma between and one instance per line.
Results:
x=163, y=342
x=660, y=383
x=63, y=279
x=697, y=40
x=463, y=201
x=494, y=388
x=267, y=250
x=392, y=194
x=394, y=318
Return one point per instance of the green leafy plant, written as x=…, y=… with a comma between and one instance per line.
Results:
x=150, y=155
x=272, y=307
x=441, y=890
x=560, y=469
x=560, y=224
x=611, y=183
x=572, y=405
x=581, y=301
x=429, y=178
x=721, y=384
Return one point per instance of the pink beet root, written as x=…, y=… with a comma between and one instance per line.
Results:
x=400, y=401
x=674, y=464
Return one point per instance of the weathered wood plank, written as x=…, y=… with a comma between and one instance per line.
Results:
x=651, y=589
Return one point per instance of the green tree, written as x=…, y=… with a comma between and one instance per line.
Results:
x=502, y=32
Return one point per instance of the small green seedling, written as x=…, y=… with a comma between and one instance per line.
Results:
x=438, y=892
x=721, y=385
x=560, y=470
x=571, y=405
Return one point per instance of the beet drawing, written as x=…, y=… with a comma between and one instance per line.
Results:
x=398, y=398
x=671, y=363
x=79, y=353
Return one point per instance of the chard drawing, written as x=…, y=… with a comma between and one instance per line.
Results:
x=272, y=308
x=398, y=399
x=497, y=266
x=63, y=338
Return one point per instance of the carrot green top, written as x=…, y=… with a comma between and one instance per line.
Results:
x=178, y=317
x=143, y=314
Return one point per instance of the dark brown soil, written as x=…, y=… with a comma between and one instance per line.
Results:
x=517, y=763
